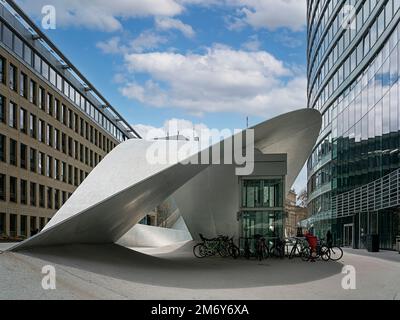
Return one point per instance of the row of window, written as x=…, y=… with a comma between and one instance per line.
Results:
x=321, y=37
x=39, y=162
x=338, y=25
x=53, y=107
x=41, y=67
x=47, y=134
x=371, y=106
x=39, y=195
x=35, y=224
x=353, y=60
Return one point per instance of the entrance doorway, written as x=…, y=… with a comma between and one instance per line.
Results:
x=348, y=235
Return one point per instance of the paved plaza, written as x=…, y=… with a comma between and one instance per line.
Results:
x=114, y=272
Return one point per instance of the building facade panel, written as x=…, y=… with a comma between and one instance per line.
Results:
x=354, y=82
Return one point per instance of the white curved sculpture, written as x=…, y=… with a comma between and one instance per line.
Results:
x=124, y=186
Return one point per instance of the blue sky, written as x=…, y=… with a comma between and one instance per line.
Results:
x=209, y=63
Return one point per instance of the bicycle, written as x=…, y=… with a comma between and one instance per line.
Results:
x=210, y=247
x=297, y=247
x=278, y=248
x=321, y=251
x=262, y=250
x=335, y=252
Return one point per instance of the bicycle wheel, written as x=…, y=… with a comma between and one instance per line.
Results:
x=234, y=251
x=324, y=253
x=199, y=251
x=336, y=253
x=305, y=254
x=223, y=251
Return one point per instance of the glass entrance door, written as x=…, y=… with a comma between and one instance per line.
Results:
x=348, y=235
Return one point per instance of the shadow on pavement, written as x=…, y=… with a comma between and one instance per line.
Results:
x=183, y=270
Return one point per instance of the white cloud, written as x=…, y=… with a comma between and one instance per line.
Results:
x=220, y=80
x=253, y=44
x=106, y=15
x=269, y=14
x=147, y=40
x=166, y=23
x=102, y=15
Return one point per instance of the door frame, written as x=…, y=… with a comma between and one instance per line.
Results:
x=352, y=233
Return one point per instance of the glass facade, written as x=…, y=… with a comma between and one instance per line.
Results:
x=353, y=80
x=262, y=208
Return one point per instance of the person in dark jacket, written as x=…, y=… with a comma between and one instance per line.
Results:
x=329, y=238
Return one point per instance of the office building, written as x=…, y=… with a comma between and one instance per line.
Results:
x=353, y=80
x=55, y=127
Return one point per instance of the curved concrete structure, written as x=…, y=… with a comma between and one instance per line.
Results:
x=124, y=187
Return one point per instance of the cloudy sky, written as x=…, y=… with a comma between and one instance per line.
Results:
x=205, y=63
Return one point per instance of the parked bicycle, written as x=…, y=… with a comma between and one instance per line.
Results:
x=262, y=249
x=221, y=245
x=321, y=251
x=297, y=247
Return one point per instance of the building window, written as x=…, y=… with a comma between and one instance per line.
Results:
x=32, y=159
x=64, y=118
x=2, y=148
x=76, y=178
x=2, y=187
x=76, y=147
x=64, y=143
x=49, y=137
x=41, y=161
x=57, y=169
x=42, y=223
x=33, y=194
x=12, y=120
x=50, y=104
x=2, y=109
x=13, y=225
x=64, y=197
x=57, y=110
x=32, y=126
x=49, y=198
x=2, y=70
x=42, y=98
x=70, y=175
x=57, y=139
x=32, y=92
x=2, y=224
x=49, y=171
x=13, y=189
x=13, y=152
x=12, y=77
x=22, y=120
x=70, y=147
x=23, y=156
x=23, y=229
x=23, y=87
x=24, y=192
x=64, y=172
x=41, y=196
x=41, y=133
x=57, y=199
